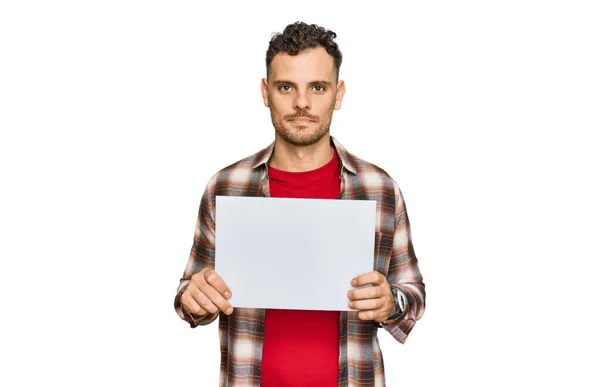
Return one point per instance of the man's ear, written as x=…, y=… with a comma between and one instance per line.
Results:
x=264, y=88
x=339, y=94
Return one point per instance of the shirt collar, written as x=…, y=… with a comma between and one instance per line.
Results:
x=345, y=157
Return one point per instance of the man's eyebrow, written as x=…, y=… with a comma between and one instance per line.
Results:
x=286, y=82
x=322, y=82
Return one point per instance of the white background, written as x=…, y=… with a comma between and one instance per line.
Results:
x=115, y=114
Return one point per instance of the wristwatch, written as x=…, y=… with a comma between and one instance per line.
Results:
x=398, y=303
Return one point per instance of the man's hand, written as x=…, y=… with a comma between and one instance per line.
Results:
x=206, y=293
x=373, y=302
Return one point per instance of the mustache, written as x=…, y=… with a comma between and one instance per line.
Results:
x=301, y=115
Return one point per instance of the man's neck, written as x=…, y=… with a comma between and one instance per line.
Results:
x=291, y=158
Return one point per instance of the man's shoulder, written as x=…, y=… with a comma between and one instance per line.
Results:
x=238, y=174
x=368, y=172
x=369, y=180
x=364, y=166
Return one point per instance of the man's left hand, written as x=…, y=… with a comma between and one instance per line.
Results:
x=372, y=302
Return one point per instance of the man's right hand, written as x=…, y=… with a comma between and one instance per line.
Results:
x=206, y=293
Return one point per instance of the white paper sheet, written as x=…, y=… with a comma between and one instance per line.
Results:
x=293, y=253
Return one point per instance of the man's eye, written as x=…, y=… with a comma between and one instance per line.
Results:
x=319, y=88
x=285, y=88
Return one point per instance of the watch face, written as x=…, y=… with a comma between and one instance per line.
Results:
x=396, y=301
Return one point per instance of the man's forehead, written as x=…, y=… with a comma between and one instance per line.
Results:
x=310, y=64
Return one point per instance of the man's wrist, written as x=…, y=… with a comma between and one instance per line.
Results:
x=398, y=310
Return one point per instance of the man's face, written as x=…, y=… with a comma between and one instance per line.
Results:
x=302, y=93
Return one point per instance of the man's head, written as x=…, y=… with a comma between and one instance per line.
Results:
x=302, y=87
x=299, y=37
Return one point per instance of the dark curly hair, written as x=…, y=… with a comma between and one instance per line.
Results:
x=300, y=36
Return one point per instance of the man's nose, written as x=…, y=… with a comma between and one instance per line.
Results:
x=302, y=101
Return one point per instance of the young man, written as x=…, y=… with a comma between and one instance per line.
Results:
x=292, y=347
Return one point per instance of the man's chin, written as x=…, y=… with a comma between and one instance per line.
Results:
x=301, y=139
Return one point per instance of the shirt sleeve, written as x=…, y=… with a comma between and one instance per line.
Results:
x=404, y=274
x=202, y=255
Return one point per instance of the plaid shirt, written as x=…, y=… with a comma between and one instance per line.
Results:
x=241, y=334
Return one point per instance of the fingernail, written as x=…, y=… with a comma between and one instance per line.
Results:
x=227, y=294
x=228, y=311
x=349, y=305
x=353, y=282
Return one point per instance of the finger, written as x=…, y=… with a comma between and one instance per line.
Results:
x=203, y=300
x=217, y=299
x=207, y=296
x=367, y=315
x=191, y=305
x=366, y=293
x=372, y=315
x=373, y=277
x=215, y=280
x=366, y=304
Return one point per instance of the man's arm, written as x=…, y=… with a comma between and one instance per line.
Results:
x=404, y=274
x=202, y=256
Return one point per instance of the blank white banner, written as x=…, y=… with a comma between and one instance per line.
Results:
x=293, y=253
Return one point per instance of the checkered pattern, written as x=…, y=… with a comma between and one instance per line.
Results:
x=241, y=334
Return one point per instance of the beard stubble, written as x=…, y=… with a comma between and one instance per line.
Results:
x=302, y=135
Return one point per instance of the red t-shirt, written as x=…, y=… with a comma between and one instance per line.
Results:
x=301, y=347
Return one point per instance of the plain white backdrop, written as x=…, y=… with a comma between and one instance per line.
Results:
x=114, y=115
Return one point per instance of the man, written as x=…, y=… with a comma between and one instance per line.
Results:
x=306, y=348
